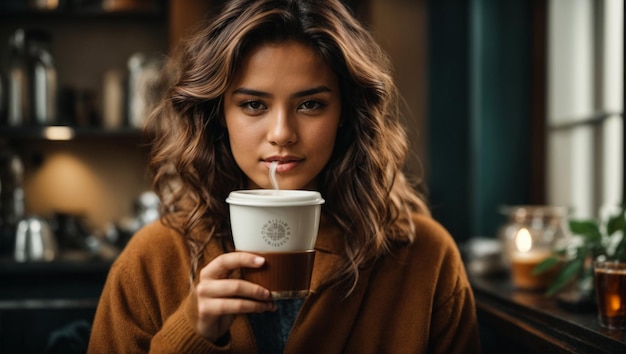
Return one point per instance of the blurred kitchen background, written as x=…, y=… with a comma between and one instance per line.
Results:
x=515, y=102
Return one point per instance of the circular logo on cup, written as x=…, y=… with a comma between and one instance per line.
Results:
x=276, y=232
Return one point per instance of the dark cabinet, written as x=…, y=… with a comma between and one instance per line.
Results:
x=48, y=304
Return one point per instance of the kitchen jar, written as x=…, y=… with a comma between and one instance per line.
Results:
x=142, y=87
x=531, y=234
x=31, y=80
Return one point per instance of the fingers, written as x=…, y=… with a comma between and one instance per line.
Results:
x=231, y=306
x=223, y=265
x=219, y=295
x=232, y=288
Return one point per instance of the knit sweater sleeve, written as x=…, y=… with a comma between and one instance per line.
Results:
x=453, y=325
x=145, y=305
x=177, y=336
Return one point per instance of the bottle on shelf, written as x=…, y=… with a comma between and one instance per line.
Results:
x=31, y=80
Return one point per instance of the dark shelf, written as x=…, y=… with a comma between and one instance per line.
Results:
x=58, y=279
x=66, y=133
x=20, y=9
x=11, y=268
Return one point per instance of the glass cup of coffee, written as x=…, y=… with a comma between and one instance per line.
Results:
x=610, y=286
x=281, y=226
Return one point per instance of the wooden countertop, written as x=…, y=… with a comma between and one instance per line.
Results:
x=530, y=320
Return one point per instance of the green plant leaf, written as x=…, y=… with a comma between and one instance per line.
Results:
x=570, y=271
x=615, y=223
x=620, y=250
x=587, y=228
x=547, y=264
x=592, y=249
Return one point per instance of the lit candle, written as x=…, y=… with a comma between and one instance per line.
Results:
x=525, y=258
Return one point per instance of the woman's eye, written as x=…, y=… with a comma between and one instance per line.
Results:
x=311, y=105
x=252, y=106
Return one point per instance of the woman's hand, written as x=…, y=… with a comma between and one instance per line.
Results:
x=220, y=298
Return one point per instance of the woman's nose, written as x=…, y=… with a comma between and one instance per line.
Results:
x=282, y=129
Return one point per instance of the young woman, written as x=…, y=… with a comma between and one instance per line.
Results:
x=301, y=83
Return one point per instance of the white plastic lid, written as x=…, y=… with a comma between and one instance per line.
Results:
x=272, y=197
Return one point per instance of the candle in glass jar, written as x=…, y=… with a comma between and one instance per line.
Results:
x=524, y=259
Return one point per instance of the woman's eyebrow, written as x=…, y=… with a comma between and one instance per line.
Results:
x=312, y=91
x=308, y=92
x=251, y=92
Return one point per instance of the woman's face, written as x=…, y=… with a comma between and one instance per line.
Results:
x=283, y=105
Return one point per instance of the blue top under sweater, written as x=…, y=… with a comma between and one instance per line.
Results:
x=271, y=329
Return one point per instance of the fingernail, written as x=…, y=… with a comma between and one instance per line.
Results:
x=259, y=260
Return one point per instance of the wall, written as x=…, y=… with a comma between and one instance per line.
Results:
x=99, y=178
x=399, y=26
x=479, y=113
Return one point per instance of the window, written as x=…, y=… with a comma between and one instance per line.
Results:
x=585, y=161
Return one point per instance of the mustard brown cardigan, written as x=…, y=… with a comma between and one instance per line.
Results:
x=416, y=300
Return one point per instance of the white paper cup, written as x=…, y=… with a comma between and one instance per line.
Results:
x=266, y=220
x=281, y=226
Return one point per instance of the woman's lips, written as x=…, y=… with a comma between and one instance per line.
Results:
x=283, y=166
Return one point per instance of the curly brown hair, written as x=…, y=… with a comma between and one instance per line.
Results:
x=366, y=192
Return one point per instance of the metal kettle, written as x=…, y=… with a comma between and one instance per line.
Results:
x=34, y=240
